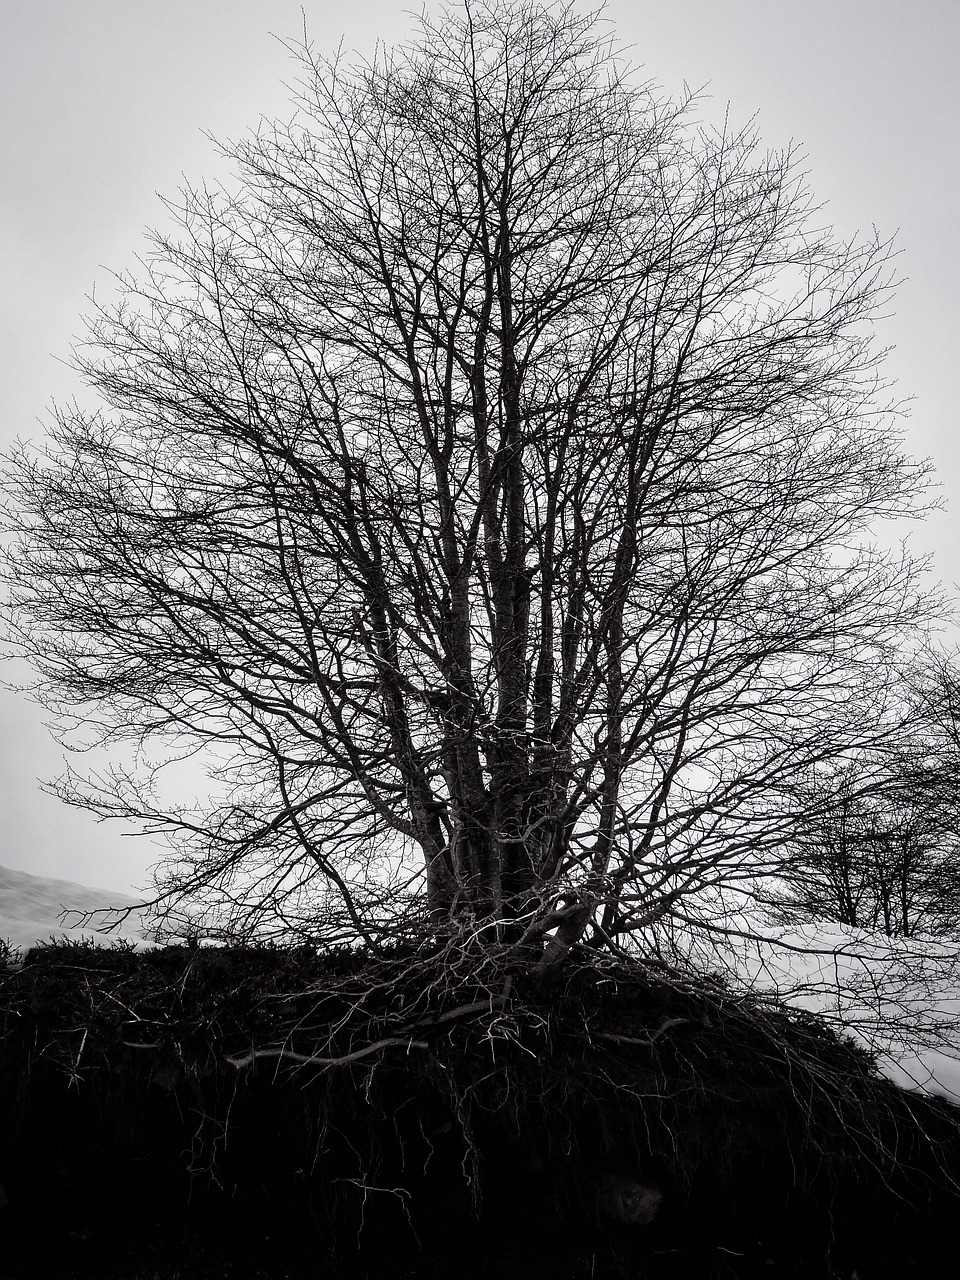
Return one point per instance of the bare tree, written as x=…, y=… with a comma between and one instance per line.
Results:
x=881, y=854
x=483, y=491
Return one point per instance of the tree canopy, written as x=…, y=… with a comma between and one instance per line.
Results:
x=482, y=491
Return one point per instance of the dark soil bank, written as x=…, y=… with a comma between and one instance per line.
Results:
x=264, y=1113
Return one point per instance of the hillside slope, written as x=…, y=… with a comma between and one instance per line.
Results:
x=32, y=907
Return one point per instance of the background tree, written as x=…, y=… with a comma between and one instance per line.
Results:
x=881, y=855
x=483, y=493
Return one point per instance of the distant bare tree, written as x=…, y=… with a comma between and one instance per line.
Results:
x=879, y=855
x=483, y=493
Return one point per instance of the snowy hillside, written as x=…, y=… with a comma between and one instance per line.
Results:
x=31, y=907
x=898, y=997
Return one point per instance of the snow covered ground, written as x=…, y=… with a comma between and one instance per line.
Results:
x=32, y=907
x=899, y=997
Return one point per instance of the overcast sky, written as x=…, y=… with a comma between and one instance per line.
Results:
x=105, y=102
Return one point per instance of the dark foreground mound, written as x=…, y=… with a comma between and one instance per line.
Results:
x=261, y=1112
